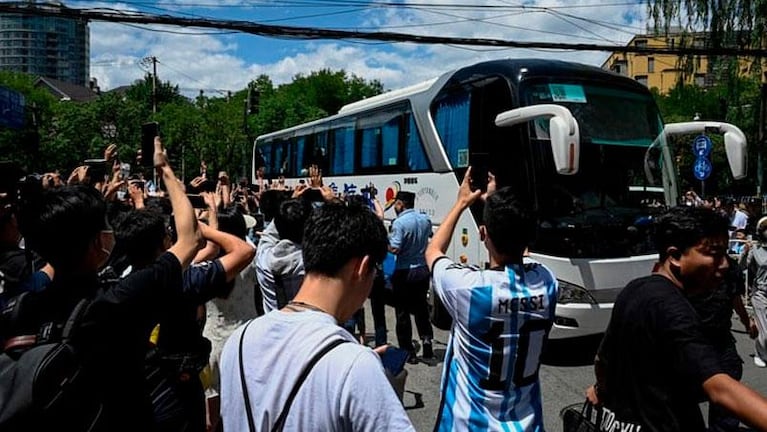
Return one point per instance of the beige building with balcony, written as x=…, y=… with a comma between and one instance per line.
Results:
x=662, y=71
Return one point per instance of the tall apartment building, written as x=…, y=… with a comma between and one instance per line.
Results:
x=662, y=71
x=52, y=47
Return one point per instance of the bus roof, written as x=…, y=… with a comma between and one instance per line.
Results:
x=389, y=96
x=513, y=69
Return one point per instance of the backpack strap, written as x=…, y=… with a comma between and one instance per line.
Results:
x=245, y=395
x=280, y=423
x=75, y=319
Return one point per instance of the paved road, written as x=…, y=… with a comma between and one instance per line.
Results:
x=564, y=375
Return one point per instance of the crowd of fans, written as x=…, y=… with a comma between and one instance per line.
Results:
x=174, y=274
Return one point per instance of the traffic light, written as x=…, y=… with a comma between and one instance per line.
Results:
x=253, y=100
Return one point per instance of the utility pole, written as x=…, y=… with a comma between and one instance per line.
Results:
x=145, y=63
x=154, y=84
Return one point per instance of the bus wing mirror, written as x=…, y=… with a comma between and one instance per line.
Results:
x=735, y=143
x=564, y=132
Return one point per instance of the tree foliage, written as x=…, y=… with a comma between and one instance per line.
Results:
x=729, y=23
x=687, y=102
x=216, y=129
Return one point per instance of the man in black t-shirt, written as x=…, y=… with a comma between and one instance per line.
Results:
x=655, y=360
x=715, y=311
x=68, y=227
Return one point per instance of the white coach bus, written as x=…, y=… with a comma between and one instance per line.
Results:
x=576, y=139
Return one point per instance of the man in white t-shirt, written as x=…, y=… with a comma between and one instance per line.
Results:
x=501, y=319
x=347, y=389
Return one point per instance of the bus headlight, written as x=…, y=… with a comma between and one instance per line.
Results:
x=571, y=293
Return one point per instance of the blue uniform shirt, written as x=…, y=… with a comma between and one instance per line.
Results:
x=410, y=234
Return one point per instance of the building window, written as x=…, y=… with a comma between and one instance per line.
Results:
x=700, y=80
x=650, y=65
x=620, y=67
x=641, y=79
x=640, y=43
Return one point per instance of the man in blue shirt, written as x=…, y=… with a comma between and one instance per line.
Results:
x=410, y=235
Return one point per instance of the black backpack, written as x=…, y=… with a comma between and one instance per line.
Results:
x=43, y=384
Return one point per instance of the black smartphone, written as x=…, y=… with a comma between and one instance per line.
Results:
x=97, y=169
x=394, y=359
x=197, y=201
x=148, y=132
x=313, y=195
x=208, y=186
x=479, y=168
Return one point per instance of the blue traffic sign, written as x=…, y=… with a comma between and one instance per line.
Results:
x=701, y=146
x=11, y=108
x=702, y=168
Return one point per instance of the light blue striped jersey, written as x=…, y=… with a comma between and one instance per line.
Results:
x=501, y=319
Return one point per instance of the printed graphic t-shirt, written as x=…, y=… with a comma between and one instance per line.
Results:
x=655, y=358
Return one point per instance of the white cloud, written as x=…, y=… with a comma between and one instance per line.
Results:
x=210, y=61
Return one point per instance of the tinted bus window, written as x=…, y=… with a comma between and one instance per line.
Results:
x=343, y=150
x=451, y=118
x=416, y=157
x=390, y=143
x=298, y=151
x=370, y=142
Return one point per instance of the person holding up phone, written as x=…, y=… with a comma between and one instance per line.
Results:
x=496, y=353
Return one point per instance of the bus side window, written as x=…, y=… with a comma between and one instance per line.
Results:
x=343, y=150
x=317, y=153
x=416, y=156
x=451, y=118
x=298, y=152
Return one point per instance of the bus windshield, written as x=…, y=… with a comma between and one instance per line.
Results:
x=595, y=213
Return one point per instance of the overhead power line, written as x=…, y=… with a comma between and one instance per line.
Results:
x=313, y=33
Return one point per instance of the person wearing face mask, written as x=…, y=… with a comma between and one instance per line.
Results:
x=755, y=259
x=68, y=227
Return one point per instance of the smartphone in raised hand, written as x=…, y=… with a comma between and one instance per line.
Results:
x=148, y=132
x=197, y=201
x=479, y=169
x=97, y=169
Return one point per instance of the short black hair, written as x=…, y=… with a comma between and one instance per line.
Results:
x=140, y=234
x=291, y=219
x=62, y=223
x=269, y=202
x=356, y=200
x=684, y=227
x=159, y=204
x=509, y=221
x=231, y=221
x=336, y=233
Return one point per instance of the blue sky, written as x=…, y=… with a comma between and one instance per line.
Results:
x=204, y=59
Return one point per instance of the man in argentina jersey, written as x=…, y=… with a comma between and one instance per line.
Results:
x=501, y=318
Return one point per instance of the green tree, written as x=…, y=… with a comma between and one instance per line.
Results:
x=731, y=24
x=141, y=91
x=320, y=94
x=23, y=145
x=685, y=102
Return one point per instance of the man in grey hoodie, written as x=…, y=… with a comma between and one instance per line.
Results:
x=279, y=266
